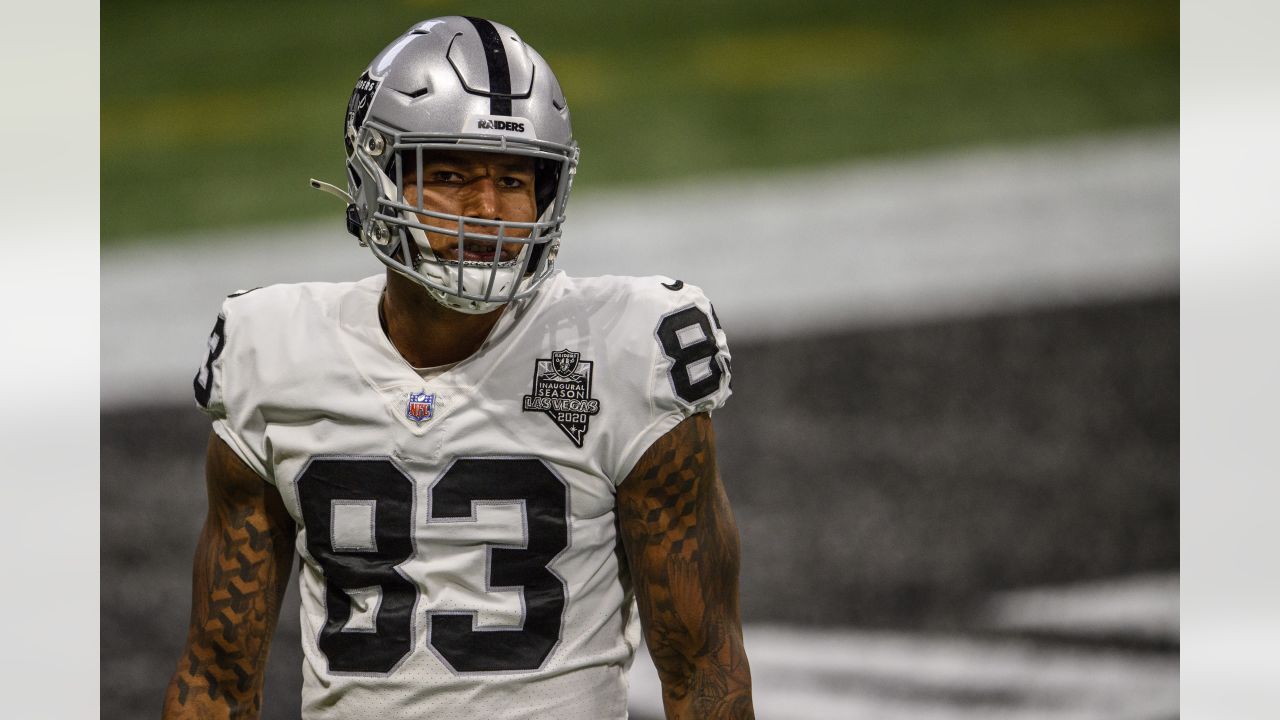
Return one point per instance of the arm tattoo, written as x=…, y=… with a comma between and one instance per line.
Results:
x=682, y=548
x=242, y=566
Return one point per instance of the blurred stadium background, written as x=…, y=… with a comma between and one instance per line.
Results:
x=943, y=237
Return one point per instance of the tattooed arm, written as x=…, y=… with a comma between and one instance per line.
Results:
x=682, y=546
x=241, y=571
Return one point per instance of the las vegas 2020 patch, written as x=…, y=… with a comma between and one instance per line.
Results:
x=562, y=390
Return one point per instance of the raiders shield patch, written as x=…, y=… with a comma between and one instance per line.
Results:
x=562, y=390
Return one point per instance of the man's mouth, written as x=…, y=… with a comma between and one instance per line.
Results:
x=479, y=251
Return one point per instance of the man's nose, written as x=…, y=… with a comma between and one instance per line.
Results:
x=483, y=199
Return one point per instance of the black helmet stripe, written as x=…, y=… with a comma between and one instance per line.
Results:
x=495, y=54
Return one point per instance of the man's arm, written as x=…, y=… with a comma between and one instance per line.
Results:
x=242, y=565
x=682, y=546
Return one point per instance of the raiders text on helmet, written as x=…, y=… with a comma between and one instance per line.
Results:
x=457, y=83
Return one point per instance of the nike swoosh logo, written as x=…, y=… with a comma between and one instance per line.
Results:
x=674, y=286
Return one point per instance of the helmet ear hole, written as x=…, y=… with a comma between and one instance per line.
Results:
x=353, y=221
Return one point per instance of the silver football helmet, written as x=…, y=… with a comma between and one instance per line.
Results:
x=457, y=83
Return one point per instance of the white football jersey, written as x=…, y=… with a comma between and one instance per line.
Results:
x=457, y=534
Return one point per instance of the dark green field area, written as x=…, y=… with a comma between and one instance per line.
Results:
x=215, y=114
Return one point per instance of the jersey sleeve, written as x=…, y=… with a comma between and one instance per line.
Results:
x=689, y=365
x=223, y=390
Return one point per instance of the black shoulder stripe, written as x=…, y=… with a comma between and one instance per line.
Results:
x=495, y=54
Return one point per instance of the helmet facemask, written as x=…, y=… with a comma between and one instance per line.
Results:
x=398, y=235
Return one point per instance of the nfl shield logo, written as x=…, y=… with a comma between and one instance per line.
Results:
x=421, y=406
x=565, y=362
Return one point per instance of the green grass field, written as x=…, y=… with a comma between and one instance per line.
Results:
x=215, y=114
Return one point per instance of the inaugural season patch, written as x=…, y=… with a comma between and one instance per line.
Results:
x=562, y=389
x=421, y=407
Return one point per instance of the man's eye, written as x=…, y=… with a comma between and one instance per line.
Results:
x=446, y=176
x=510, y=182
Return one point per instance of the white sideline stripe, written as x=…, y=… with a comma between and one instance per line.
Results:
x=1143, y=607
x=780, y=253
x=822, y=674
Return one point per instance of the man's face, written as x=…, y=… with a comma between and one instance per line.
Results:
x=491, y=186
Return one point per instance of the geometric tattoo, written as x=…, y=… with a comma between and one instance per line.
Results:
x=241, y=570
x=681, y=544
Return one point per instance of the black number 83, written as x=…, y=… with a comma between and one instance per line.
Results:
x=359, y=517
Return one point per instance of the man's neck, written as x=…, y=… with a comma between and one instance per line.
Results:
x=427, y=333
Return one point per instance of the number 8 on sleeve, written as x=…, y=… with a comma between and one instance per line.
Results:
x=687, y=338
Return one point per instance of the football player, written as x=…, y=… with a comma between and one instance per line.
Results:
x=495, y=475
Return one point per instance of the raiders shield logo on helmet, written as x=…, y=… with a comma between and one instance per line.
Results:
x=358, y=108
